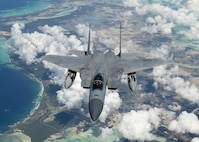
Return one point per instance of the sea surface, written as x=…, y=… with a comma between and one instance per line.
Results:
x=18, y=95
x=18, y=89
x=12, y=4
x=21, y=7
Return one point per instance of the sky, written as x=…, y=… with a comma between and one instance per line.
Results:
x=135, y=124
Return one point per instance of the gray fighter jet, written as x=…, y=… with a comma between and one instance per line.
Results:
x=100, y=69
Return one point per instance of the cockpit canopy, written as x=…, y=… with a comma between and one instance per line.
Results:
x=98, y=82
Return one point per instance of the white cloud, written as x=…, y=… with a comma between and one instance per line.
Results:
x=28, y=45
x=162, y=52
x=193, y=6
x=185, y=123
x=105, y=132
x=112, y=102
x=58, y=73
x=51, y=40
x=131, y=3
x=127, y=13
x=137, y=125
x=196, y=139
x=183, y=14
x=83, y=31
x=158, y=24
x=74, y=96
x=168, y=78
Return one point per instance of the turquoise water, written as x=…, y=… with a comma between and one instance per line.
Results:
x=3, y=52
x=10, y=4
x=18, y=91
x=21, y=7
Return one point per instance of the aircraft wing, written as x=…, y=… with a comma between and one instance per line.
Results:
x=134, y=65
x=134, y=55
x=77, y=52
x=70, y=62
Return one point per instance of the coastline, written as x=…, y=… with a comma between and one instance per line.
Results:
x=37, y=100
x=8, y=61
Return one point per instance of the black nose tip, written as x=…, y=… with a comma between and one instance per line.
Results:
x=95, y=108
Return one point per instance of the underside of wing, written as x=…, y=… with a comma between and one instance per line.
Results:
x=134, y=65
x=70, y=62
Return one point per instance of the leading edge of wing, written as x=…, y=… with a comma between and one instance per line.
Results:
x=70, y=62
x=134, y=65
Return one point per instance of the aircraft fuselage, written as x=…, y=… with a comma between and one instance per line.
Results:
x=99, y=82
x=97, y=94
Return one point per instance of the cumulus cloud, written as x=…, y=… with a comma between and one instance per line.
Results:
x=83, y=31
x=196, y=139
x=51, y=40
x=158, y=24
x=185, y=123
x=168, y=78
x=112, y=102
x=162, y=52
x=137, y=125
x=131, y=3
x=57, y=73
x=74, y=96
x=127, y=13
x=182, y=15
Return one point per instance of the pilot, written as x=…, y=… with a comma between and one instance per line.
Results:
x=97, y=84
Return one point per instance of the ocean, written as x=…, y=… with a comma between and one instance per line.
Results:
x=12, y=4
x=18, y=90
x=18, y=95
x=21, y=7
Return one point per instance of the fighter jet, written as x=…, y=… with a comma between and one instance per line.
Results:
x=101, y=70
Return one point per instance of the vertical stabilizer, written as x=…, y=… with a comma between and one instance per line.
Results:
x=88, y=52
x=120, y=40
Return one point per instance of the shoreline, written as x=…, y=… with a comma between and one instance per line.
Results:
x=39, y=95
x=36, y=104
x=37, y=100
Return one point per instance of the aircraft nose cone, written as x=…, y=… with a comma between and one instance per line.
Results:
x=95, y=108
